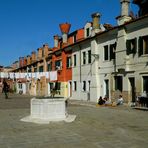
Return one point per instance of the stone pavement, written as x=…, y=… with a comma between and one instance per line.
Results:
x=94, y=127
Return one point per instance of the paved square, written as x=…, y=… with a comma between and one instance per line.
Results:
x=94, y=127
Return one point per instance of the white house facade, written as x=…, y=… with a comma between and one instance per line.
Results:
x=119, y=59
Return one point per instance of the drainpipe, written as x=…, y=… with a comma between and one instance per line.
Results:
x=80, y=64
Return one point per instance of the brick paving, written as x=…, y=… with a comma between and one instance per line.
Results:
x=94, y=127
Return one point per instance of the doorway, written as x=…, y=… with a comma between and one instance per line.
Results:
x=107, y=88
x=69, y=89
x=132, y=84
x=145, y=84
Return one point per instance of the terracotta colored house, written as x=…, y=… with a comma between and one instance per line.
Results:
x=62, y=60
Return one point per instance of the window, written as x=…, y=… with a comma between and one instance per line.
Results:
x=89, y=56
x=109, y=52
x=74, y=38
x=84, y=58
x=49, y=67
x=28, y=69
x=75, y=86
x=41, y=69
x=88, y=86
x=58, y=64
x=87, y=32
x=75, y=60
x=35, y=69
x=106, y=53
x=84, y=86
x=112, y=51
x=68, y=62
x=20, y=86
x=143, y=45
x=131, y=46
x=118, y=83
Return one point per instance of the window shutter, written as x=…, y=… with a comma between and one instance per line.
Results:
x=114, y=49
x=111, y=51
x=140, y=46
x=128, y=48
x=106, y=52
x=135, y=46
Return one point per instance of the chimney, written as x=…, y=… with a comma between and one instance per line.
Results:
x=124, y=17
x=25, y=61
x=28, y=60
x=96, y=23
x=124, y=7
x=56, y=40
x=65, y=27
x=96, y=20
x=40, y=54
x=33, y=56
x=20, y=61
x=45, y=50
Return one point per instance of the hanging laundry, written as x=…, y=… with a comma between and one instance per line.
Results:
x=53, y=75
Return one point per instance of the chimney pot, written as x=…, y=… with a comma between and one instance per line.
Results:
x=65, y=27
x=124, y=7
x=96, y=21
x=95, y=15
x=56, y=40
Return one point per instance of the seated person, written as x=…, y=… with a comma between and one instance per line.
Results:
x=120, y=100
x=108, y=101
x=105, y=98
x=101, y=101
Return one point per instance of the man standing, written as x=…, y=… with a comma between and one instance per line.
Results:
x=5, y=88
x=1, y=85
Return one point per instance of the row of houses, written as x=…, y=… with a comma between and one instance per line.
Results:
x=93, y=61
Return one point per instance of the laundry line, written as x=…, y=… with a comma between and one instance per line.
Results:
x=52, y=75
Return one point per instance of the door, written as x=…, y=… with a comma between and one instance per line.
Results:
x=132, y=84
x=69, y=89
x=107, y=88
x=145, y=84
x=49, y=90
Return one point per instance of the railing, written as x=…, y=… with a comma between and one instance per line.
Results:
x=142, y=101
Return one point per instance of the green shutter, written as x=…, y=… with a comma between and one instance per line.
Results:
x=114, y=48
x=111, y=51
x=140, y=46
x=135, y=46
x=106, y=52
x=128, y=47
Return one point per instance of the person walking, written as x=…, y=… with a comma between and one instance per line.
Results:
x=5, y=88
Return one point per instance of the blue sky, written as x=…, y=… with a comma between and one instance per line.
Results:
x=26, y=25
